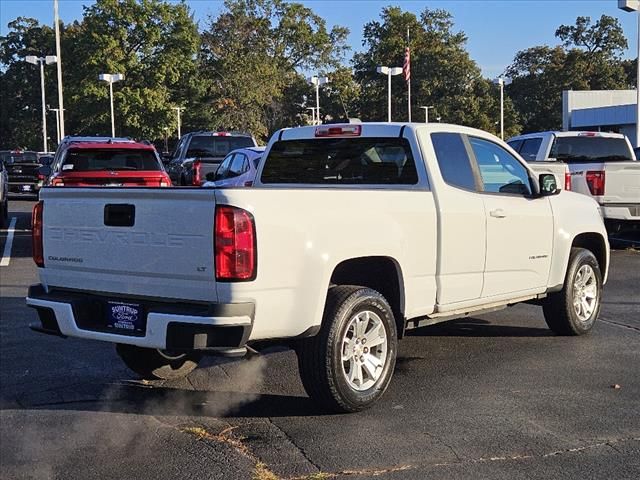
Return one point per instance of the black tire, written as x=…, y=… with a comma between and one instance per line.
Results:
x=559, y=311
x=4, y=215
x=319, y=357
x=154, y=364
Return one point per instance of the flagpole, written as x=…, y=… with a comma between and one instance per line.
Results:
x=409, y=80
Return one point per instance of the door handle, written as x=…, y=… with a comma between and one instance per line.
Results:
x=498, y=213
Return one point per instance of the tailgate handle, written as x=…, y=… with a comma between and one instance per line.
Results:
x=119, y=215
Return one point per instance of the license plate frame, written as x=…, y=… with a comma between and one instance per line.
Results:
x=125, y=318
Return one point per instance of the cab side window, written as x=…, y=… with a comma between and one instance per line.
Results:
x=453, y=160
x=238, y=165
x=499, y=170
x=529, y=148
x=221, y=173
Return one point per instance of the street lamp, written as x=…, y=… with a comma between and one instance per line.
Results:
x=426, y=113
x=634, y=6
x=389, y=72
x=178, y=110
x=49, y=59
x=313, y=114
x=501, y=82
x=111, y=78
x=317, y=81
x=56, y=21
x=57, y=110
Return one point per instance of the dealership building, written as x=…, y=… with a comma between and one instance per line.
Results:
x=600, y=110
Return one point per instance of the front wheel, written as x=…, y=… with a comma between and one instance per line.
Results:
x=155, y=364
x=349, y=364
x=574, y=309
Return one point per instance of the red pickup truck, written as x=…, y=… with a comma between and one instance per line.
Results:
x=106, y=162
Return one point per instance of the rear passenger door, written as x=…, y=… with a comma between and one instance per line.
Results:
x=519, y=228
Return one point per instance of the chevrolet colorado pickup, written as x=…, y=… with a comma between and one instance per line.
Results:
x=351, y=235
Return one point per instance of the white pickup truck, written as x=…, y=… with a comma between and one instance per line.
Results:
x=601, y=165
x=351, y=235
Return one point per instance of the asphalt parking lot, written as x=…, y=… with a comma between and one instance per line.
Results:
x=496, y=396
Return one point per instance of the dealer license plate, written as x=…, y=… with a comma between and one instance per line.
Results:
x=126, y=318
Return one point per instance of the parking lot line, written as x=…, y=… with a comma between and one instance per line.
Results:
x=6, y=255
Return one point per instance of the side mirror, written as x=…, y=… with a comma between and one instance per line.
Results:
x=48, y=160
x=44, y=171
x=211, y=177
x=166, y=157
x=548, y=184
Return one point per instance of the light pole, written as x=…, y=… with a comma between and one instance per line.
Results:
x=313, y=114
x=178, y=110
x=56, y=20
x=634, y=6
x=317, y=81
x=389, y=72
x=49, y=59
x=501, y=82
x=111, y=78
x=426, y=113
x=57, y=110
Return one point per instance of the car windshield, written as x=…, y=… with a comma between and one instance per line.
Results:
x=85, y=160
x=210, y=146
x=21, y=157
x=590, y=149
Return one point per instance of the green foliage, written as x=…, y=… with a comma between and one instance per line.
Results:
x=443, y=75
x=588, y=59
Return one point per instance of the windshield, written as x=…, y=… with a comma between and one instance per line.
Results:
x=590, y=149
x=209, y=146
x=349, y=161
x=86, y=160
x=22, y=157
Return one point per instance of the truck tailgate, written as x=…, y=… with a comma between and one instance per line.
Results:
x=144, y=242
x=622, y=183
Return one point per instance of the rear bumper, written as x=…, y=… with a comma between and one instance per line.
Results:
x=172, y=326
x=621, y=211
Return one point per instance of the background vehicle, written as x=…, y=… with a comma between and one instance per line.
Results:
x=4, y=195
x=22, y=168
x=238, y=169
x=601, y=165
x=200, y=153
x=351, y=235
x=106, y=162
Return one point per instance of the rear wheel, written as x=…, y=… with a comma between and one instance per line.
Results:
x=156, y=364
x=349, y=364
x=574, y=309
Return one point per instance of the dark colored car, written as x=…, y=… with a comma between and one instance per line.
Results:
x=22, y=168
x=106, y=162
x=200, y=153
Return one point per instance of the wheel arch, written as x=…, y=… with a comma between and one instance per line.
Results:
x=381, y=273
x=596, y=244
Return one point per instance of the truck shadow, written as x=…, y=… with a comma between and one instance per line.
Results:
x=476, y=327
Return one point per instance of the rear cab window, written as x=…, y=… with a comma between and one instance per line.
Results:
x=216, y=146
x=91, y=160
x=590, y=148
x=23, y=157
x=341, y=161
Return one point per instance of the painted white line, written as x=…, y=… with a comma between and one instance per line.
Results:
x=6, y=255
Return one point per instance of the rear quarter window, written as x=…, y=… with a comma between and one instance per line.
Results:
x=341, y=161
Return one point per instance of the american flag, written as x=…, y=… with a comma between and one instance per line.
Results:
x=406, y=66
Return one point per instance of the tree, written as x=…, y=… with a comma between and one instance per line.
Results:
x=588, y=59
x=442, y=73
x=254, y=51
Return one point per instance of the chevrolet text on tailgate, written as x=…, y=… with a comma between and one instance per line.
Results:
x=351, y=235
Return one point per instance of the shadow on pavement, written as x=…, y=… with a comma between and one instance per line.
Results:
x=475, y=327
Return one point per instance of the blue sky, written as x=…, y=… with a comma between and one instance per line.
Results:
x=496, y=29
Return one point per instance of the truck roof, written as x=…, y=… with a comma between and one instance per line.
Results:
x=573, y=133
x=106, y=146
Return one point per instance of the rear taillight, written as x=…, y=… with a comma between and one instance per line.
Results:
x=235, y=244
x=165, y=181
x=36, y=234
x=57, y=182
x=197, y=168
x=567, y=181
x=595, y=181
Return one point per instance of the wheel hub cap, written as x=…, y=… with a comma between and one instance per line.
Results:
x=364, y=350
x=585, y=293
